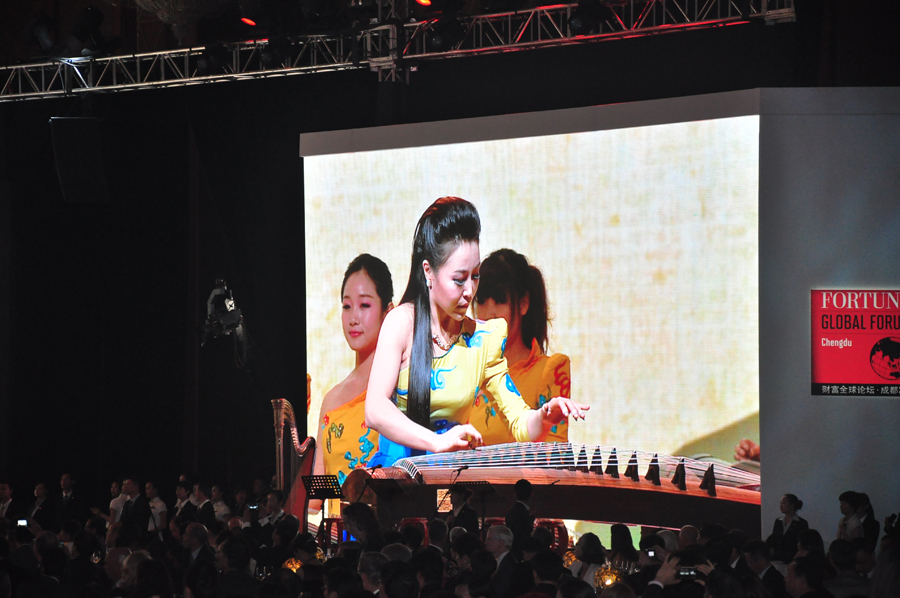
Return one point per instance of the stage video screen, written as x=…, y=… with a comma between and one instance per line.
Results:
x=647, y=238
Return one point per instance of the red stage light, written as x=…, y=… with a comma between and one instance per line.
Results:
x=248, y=21
x=424, y=2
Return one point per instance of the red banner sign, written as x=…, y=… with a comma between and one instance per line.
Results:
x=856, y=343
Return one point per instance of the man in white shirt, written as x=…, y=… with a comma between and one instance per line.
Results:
x=158, y=510
x=218, y=500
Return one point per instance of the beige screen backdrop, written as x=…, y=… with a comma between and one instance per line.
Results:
x=647, y=238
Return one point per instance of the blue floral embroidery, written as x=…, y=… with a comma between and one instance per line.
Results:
x=352, y=462
x=503, y=347
x=475, y=340
x=511, y=387
x=341, y=477
x=365, y=447
x=438, y=381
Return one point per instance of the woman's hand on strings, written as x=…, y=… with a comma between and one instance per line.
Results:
x=458, y=438
x=559, y=409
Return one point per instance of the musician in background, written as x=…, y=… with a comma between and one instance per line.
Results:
x=432, y=359
x=344, y=440
x=519, y=518
x=514, y=290
x=462, y=514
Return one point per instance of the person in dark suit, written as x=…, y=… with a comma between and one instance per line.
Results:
x=184, y=509
x=69, y=504
x=519, y=519
x=206, y=512
x=783, y=540
x=756, y=553
x=195, y=546
x=136, y=510
x=41, y=511
x=462, y=514
x=498, y=541
x=9, y=508
x=263, y=528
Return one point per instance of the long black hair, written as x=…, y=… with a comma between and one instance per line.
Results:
x=446, y=224
x=507, y=277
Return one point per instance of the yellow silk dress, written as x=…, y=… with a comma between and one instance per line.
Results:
x=473, y=363
x=539, y=378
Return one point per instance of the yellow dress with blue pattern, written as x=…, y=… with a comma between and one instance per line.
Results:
x=347, y=441
x=539, y=378
x=475, y=361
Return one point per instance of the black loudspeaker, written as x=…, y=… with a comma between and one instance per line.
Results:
x=78, y=150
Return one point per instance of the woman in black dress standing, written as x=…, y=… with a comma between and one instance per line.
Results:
x=783, y=541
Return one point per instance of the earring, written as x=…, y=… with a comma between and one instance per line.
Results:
x=429, y=284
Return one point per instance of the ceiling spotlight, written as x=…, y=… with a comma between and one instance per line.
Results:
x=587, y=18
x=446, y=33
x=251, y=12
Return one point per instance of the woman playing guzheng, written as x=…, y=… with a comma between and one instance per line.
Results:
x=344, y=441
x=514, y=290
x=432, y=360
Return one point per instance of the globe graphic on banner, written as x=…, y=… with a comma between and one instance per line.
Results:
x=885, y=358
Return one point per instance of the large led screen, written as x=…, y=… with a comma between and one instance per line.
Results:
x=647, y=238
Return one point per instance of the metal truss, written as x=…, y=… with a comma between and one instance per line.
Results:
x=392, y=50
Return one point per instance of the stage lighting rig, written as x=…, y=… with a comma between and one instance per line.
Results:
x=588, y=17
x=213, y=61
x=446, y=33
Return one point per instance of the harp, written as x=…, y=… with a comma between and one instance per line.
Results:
x=302, y=459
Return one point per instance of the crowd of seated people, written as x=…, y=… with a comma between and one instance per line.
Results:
x=199, y=546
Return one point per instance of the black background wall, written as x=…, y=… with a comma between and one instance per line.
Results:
x=100, y=369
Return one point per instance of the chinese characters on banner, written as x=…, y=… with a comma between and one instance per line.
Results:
x=856, y=343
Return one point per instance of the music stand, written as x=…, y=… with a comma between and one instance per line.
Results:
x=321, y=487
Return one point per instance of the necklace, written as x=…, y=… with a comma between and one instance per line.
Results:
x=440, y=343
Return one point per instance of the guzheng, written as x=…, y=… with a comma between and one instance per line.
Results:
x=573, y=481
